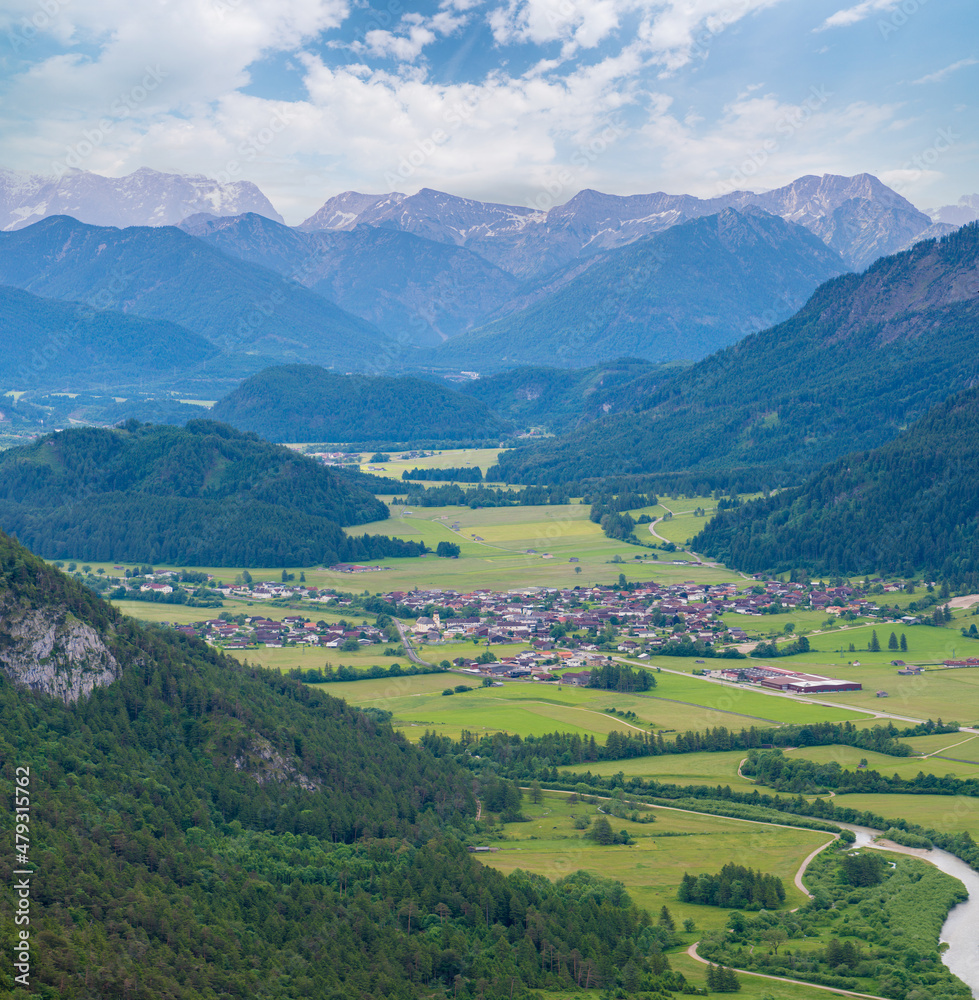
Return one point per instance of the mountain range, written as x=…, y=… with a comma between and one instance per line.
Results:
x=864, y=357
x=859, y=217
x=679, y=294
x=426, y=283
x=240, y=308
x=144, y=198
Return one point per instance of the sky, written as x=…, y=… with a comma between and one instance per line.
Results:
x=518, y=101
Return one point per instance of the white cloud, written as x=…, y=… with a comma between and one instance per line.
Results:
x=851, y=15
x=941, y=74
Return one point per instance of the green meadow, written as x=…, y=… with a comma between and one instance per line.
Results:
x=681, y=769
x=651, y=868
x=535, y=708
x=952, y=813
x=496, y=554
x=456, y=458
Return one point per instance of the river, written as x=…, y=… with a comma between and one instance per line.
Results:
x=961, y=929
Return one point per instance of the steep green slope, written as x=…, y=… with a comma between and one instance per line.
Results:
x=308, y=403
x=201, y=495
x=200, y=830
x=905, y=508
x=558, y=399
x=163, y=273
x=49, y=343
x=677, y=295
x=867, y=355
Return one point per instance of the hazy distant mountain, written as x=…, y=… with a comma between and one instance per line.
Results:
x=680, y=294
x=47, y=343
x=967, y=210
x=859, y=217
x=164, y=273
x=407, y=286
x=558, y=399
x=866, y=355
x=144, y=198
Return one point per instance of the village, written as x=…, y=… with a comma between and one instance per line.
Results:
x=556, y=634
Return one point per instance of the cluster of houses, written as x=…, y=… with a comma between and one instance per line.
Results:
x=635, y=622
x=645, y=618
x=248, y=632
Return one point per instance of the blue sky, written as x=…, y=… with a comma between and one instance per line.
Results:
x=521, y=101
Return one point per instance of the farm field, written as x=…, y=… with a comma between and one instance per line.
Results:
x=905, y=767
x=937, y=812
x=651, y=869
x=728, y=704
x=535, y=708
x=681, y=769
x=722, y=767
x=181, y=614
x=450, y=459
x=494, y=546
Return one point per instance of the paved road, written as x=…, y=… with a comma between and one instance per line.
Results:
x=409, y=649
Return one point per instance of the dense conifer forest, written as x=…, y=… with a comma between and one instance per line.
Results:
x=204, y=495
x=902, y=509
x=309, y=403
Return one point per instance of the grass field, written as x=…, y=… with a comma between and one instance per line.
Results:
x=681, y=769
x=945, y=813
x=652, y=868
x=729, y=705
x=904, y=767
x=460, y=458
x=535, y=708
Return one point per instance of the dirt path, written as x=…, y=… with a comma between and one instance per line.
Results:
x=692, y=952
x=805, y=864
x=963, y=602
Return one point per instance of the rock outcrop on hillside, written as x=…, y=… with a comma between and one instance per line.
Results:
x=53, y=652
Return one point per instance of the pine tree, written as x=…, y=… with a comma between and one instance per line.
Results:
x=904, y=643
x=728, y=981
x=874, y=642
x=892, y=642
x=712, y=977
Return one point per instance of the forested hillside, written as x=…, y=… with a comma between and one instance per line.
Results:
x=163, y=273
x=908, y=507
x=867, y=355
x=559, y=399
x=201, y=830
x=57, y=344
x=204, y=495
x=309, y=403
x=678, y=295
